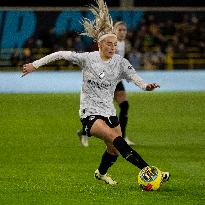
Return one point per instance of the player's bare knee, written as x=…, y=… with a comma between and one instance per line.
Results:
x=114, y=134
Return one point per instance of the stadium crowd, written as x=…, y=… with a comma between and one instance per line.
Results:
x=153, y=44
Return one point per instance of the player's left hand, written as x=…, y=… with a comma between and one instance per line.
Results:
x=152, y=86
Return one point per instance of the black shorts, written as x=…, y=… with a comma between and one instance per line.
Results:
x=88, y=122
x=120, y=87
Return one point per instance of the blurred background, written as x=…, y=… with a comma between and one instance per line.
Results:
x=162, y=35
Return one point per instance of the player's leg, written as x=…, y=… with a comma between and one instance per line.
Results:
x=121, y=99
x=109, y=157
x=115, y=144
x=83, y=137
x=113, y=136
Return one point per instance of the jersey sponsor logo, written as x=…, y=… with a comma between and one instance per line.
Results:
x=102, y=85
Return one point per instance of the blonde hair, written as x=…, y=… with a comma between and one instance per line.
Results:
x=101, y=25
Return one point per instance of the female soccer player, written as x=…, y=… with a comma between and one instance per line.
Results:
x=102, y=71
x=120, y=96
x=120, y=30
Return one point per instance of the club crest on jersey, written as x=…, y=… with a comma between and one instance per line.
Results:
x=101, y=75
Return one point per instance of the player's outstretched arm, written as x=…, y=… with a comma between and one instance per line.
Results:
x=30, y=67
x=137, y=80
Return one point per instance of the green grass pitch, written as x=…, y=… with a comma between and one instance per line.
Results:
x=42, y=161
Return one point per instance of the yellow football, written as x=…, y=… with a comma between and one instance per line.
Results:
x=149, y=178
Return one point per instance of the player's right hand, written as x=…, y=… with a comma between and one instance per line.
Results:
x=27, y=68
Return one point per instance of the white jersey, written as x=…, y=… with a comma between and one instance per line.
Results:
x=99, y=79
x=121, y=48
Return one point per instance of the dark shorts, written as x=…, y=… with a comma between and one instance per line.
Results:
x=120, y=87
x=88, y=122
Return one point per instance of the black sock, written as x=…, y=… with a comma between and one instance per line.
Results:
x=128, y=153
x=81, y=132
x=107, y=161
x=123, y=118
